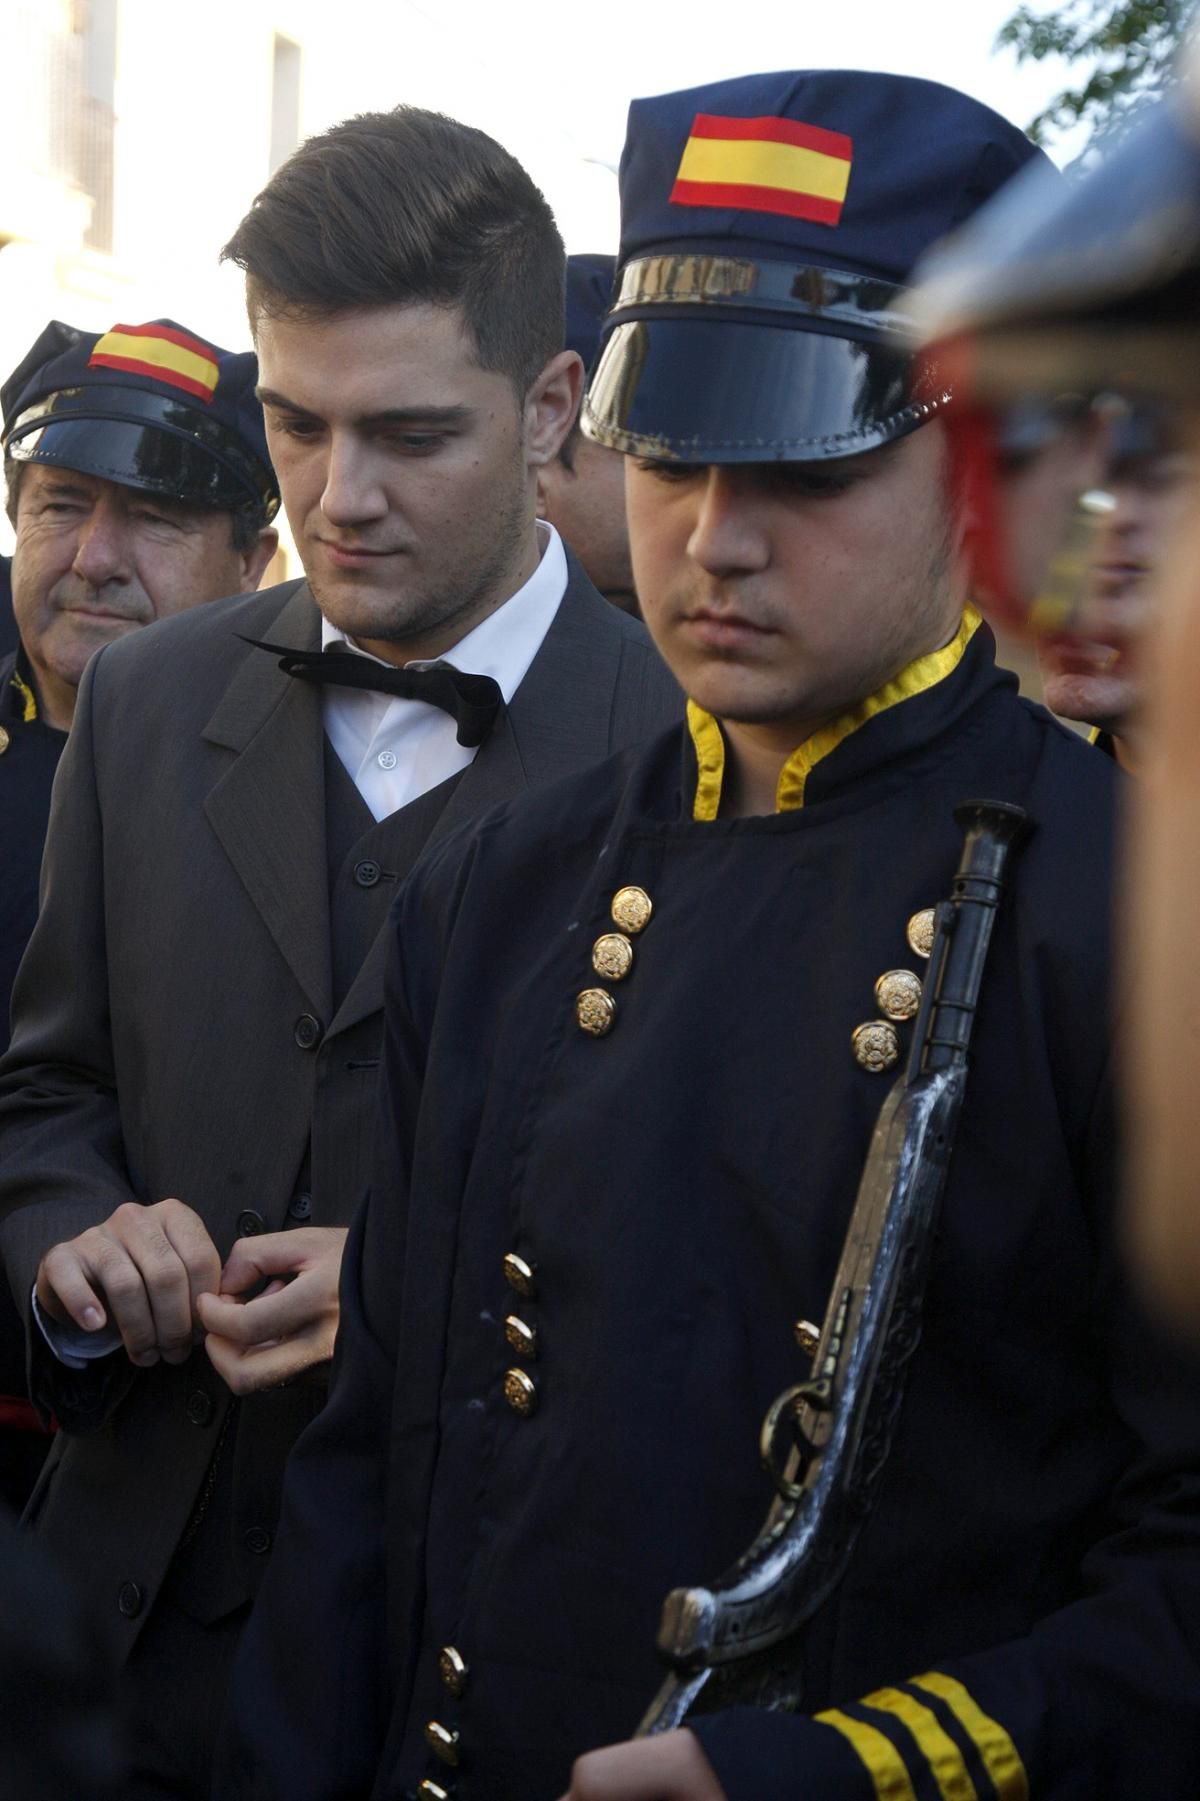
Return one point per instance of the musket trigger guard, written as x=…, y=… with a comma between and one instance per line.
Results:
x=784, y=1409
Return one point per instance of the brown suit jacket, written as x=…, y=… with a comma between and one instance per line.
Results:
x=164, y=1042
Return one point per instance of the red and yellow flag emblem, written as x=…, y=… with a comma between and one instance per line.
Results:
x=160, y=351
x=765, y=166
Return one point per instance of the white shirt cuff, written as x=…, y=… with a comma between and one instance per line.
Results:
x=74, y=1347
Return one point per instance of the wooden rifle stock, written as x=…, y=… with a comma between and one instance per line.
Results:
x=825, y=1442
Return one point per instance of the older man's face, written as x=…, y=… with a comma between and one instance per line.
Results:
x=94, y=560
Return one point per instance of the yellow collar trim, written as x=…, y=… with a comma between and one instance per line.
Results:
x=926, y=672
x=28, y=698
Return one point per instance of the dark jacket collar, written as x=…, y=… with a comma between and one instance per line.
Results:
x=911, y=711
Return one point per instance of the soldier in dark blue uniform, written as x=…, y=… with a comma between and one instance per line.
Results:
x=139, y=483
x=638, y=1034
x=1093, y=288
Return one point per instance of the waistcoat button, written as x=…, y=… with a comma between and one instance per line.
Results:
x=131, y=1598
x=199, y=1407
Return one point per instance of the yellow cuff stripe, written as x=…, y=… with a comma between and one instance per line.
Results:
x=999, y=1755
x=883, y=1763
x=933, y=1741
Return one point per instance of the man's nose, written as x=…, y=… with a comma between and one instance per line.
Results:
x=104, y=551
x=353, y=493
x=728, y=535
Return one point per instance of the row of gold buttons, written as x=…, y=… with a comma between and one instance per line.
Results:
x=520, y=1389
x=876, y=1043
x=612, y=958
x=445, y=1741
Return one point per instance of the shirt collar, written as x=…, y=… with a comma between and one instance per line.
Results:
x=505, y=643
x=915, y=679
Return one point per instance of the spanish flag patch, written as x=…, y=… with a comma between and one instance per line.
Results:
x=765, y=166
x=162, y=352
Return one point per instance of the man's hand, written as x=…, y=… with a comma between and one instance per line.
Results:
x=668, y=1768
x=146, y=1267
x=291, y=1324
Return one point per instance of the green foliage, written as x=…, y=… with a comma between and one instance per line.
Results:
x=1131, y=45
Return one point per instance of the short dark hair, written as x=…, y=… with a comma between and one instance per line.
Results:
x=410, y=206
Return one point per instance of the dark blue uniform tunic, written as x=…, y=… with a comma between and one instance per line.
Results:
x=29, y=753
x=1022, y=1612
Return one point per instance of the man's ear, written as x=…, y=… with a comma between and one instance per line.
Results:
x=256, y=557
x=550, y=407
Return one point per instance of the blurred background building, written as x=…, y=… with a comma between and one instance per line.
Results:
x=139, y=131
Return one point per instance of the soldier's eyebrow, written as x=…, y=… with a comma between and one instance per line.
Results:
x=404, y=416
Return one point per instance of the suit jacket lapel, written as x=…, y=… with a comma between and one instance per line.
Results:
x=560, y=718
x=267, y=810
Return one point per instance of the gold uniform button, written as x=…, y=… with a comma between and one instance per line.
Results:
x=520, y=1276
x=875, y=1044
x=807, y=1336
x=431, y=1791
x=631, y=909
x=520, y=1393
x=442, y=1742
x=920, y=932
x=522, y=1338
x=595, y=1012
x=452, y=1670
x=5, y=739
x=612, y=956
x=898, y=992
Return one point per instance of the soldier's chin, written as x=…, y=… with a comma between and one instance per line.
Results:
x=1096, y=698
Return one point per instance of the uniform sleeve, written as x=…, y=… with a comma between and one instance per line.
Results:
x=1101, y=1700
x=62, y=1162
x=310, y=1694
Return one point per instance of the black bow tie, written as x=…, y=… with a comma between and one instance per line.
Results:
x=474, y=700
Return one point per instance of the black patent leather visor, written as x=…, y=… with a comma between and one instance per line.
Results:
x=142, y=441
x=721, y=391
x=713, y=361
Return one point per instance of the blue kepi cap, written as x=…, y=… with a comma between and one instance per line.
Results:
x=149, y=406
x=768, y=226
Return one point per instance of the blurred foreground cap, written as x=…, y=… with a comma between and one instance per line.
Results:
x=1095, y=281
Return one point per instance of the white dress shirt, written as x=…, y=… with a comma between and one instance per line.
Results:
x=394, y=751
